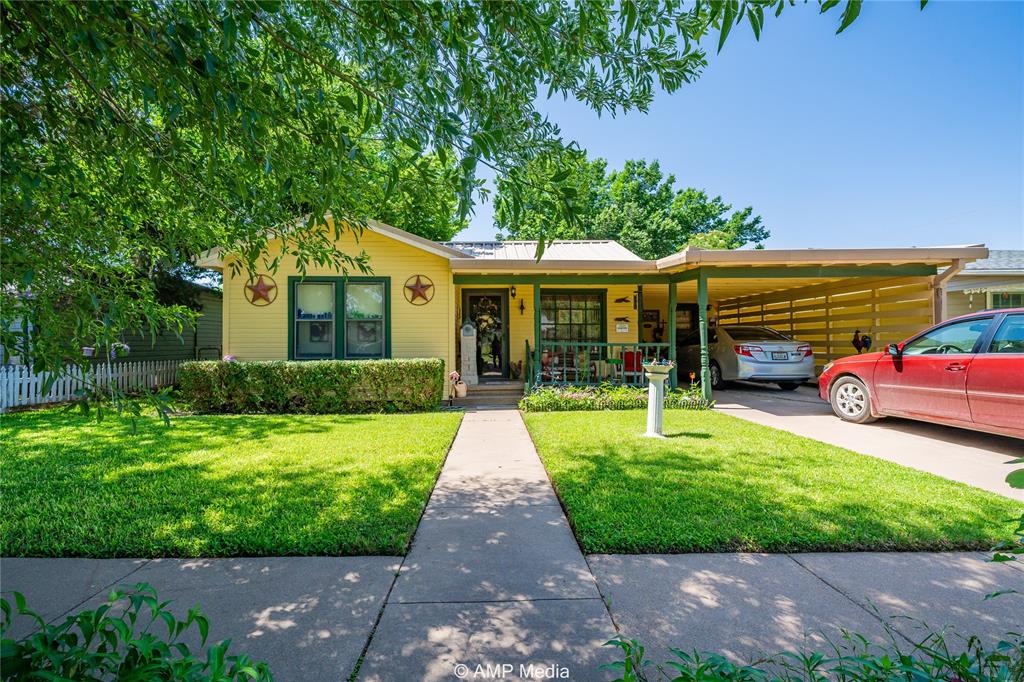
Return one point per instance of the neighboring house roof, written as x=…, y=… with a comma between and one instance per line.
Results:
x=999, y=261
x=560, y=249
x=1004, y=268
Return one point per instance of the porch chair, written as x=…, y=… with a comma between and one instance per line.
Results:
x=632, y=366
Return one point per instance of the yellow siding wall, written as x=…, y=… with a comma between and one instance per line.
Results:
x=426, y=331
x=826, y=316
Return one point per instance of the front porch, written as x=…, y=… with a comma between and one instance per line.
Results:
x=600, y=322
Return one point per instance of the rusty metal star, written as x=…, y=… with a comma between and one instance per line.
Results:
x=261, y=290
x=419, y=289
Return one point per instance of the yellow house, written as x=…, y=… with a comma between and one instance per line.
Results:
x=587, y=311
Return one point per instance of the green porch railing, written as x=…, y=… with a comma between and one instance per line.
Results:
x=587, y=363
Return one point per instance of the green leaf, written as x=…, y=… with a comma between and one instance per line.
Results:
x=728, y=17
x=850, y=14
x=1016, y=479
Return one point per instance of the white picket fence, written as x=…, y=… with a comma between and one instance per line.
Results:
x=19, y=386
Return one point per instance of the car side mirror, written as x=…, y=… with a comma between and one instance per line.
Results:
x=894, y=350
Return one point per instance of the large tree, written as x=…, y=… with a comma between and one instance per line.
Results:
x=136, y=133
x=637, y=206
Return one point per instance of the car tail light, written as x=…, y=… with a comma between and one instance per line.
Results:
x=747, y=349
x=805, y=349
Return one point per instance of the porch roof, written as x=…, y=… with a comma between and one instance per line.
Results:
x=743, y=264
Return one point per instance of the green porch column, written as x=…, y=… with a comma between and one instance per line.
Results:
x=673, y=376
x=536, y=334
x=702, y=317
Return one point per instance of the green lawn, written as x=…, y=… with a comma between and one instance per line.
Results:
x=719, y=483
x=240, y=485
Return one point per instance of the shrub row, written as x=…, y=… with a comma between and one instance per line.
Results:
x=313, y=387
x=607, y=397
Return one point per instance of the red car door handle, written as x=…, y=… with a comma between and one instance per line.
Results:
x=955, y=367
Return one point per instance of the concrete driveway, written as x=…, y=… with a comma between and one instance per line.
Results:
x=975, y=458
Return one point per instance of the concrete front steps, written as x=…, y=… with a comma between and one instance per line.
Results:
x=492, y=394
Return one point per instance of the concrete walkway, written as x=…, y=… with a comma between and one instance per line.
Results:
x=971, y=457
x=494, y=576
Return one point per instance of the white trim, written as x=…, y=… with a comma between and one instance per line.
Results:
x=936, y=254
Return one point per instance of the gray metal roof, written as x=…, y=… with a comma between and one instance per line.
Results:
x=560, y=249
x=1000, y=260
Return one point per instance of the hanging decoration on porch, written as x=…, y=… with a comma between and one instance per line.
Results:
x=262, y=292
x=419, y=290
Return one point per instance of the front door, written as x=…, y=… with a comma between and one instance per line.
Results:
x=488, y=310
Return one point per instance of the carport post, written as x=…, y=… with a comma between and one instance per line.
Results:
x=702, y=325
x=536, y=334
x=673, y=376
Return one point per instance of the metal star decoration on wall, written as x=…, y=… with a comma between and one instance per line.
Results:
x=419, y=288
x=262, y=292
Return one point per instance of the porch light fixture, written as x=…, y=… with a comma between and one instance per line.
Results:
x=512, y=291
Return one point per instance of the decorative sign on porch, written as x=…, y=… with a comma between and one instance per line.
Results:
x=419, y=290
x=262, y=292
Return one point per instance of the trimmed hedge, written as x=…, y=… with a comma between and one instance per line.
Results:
x=313, y=387
x=607, y=397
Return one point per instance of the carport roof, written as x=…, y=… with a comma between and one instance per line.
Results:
x=934, y=255
x=692, y=258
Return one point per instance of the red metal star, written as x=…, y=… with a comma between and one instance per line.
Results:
x=260, y=290
x=419, y=289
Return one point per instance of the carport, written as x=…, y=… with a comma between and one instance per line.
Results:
x=822, y=296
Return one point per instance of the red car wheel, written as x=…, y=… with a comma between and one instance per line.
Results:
x=851, y=401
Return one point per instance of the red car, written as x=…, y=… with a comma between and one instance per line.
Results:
x=967, y=371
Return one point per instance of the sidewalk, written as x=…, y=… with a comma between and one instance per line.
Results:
x=307, y=617
x=494, y=576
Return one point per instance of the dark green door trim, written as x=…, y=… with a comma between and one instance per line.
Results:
x=505, y=322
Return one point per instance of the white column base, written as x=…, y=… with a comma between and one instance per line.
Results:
x=655, y=405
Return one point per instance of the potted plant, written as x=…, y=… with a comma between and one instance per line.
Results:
x=459, y=386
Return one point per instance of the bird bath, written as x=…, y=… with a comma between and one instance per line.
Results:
x=656, y=373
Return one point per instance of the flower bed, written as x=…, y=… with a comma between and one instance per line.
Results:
x=607, y=397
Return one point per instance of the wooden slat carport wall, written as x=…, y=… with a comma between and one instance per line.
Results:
x=826, y=315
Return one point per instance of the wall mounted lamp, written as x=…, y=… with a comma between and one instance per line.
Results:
x=513, y=292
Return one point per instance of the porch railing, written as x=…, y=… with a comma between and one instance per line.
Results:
x=585, y=363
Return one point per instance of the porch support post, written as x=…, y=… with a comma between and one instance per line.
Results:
x=702, y=325
x=536, y=334
x=673, y=376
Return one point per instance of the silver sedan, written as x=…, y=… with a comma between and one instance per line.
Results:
x=749, y=353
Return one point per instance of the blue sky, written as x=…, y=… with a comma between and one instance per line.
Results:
x=907, y=129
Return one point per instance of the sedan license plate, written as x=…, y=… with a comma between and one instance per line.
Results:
x=780, y=355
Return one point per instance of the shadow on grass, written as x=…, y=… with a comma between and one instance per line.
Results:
x=214, y=485
x=728, y=486
x=688, y=434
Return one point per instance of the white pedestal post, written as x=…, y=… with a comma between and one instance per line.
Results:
x=468, y=339
x=656, y=375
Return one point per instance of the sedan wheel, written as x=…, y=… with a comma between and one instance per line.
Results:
x=716, y=376
x=850, y=401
